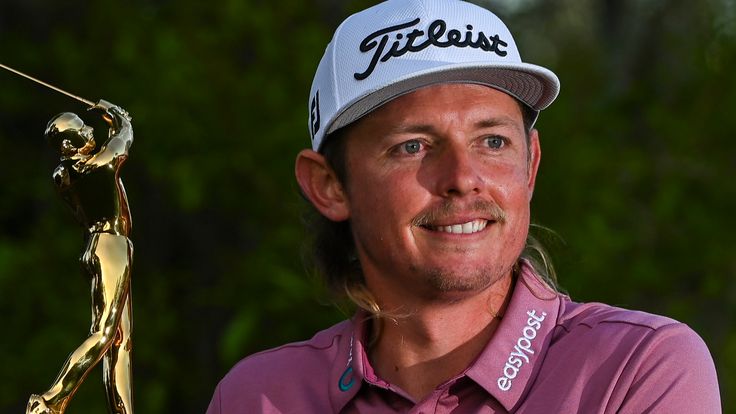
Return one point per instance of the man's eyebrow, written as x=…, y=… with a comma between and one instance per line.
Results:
x=505, y=121
x=410, y=128
x=418, y=128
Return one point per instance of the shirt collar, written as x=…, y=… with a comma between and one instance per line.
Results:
x=511, y=360
x=347, y=372
x=515, y=352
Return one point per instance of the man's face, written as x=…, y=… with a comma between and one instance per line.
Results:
x=438, y=190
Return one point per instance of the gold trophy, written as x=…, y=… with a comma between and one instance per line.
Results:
x=88, y=179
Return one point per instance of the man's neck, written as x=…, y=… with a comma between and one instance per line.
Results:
x=436, y=342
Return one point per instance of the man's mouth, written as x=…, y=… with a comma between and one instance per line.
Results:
x=463, y=228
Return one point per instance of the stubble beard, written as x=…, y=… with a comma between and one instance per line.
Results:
x=442, y=281
x=448, y=283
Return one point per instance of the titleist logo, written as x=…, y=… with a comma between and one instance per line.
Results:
x=417, y=40
x=523, y=348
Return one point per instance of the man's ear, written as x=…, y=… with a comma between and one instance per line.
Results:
x=321, y=186
x=535, y=155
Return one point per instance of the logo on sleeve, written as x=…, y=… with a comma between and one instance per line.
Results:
x=522, y=350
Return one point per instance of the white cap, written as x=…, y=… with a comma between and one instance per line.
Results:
x=399, y=46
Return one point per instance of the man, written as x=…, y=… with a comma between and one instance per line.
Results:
x=423, y=165
x=89, y=182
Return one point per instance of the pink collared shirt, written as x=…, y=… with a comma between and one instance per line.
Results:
x=549, y=355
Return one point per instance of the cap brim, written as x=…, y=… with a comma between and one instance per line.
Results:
x=533, y=85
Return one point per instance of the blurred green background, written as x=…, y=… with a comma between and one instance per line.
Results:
x=637, y=176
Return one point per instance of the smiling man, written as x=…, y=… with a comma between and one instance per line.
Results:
x=422, y=169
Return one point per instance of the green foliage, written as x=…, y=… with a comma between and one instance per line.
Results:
x=636, y=175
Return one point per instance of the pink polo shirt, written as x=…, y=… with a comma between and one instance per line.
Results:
x=549, y=355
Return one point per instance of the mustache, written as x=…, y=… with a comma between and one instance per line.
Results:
x=449, y=208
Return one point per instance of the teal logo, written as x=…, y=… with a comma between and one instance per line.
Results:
x=348, y=373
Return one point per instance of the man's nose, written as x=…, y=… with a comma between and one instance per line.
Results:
x=457, y=172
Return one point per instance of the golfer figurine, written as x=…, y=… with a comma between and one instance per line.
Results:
x=88, y=179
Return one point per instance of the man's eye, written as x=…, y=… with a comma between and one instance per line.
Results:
x=495, y=142
x=412, y=147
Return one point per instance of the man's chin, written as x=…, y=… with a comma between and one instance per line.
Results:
x=454, y=283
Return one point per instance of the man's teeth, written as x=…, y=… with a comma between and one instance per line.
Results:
x=465, y=228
